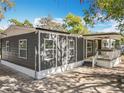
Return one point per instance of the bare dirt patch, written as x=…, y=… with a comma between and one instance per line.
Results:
x=80, y=80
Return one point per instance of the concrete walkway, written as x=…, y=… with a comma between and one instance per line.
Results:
x=80, y=80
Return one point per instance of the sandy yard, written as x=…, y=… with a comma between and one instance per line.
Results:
x=79, y=80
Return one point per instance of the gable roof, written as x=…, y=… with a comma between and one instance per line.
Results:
x=14, y=30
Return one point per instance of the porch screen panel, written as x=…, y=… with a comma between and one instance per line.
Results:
x=48, y=50
x=71, y=49
x=89, y=48
x=62, y=50
x=80, y=49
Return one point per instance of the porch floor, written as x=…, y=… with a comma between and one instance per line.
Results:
x=79, y=80
x=89, y=59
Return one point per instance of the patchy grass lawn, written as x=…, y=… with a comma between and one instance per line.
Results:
x=80, y=80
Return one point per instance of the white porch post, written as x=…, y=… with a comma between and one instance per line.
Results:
x=86, y=48
x=39, y=61
x=109, y=43
x=67, y=52
x=56, y=48
x=76, y=49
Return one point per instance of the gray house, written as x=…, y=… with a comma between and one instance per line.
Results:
x=40, y=52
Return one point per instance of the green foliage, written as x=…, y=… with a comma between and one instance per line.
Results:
x=49, y=23
x=4, y=6
x=122, y=41
x=1, y=31
x=74, y=24
x=27, y=23
x=15, y=22
x=105, y=10
x=18, y=23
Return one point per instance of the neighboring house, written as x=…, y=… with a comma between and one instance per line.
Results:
x=40, y=52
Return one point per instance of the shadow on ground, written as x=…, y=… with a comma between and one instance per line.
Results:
x=80, y=80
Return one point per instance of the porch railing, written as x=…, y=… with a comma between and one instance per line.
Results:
x=108, y=54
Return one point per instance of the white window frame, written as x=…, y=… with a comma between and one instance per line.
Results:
x=22, y=48
x=71, y=48
x=89, y=47
x=105, y=43
x=7, y=46
x=47, y=49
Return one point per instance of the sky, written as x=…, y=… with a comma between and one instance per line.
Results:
x=58, y=9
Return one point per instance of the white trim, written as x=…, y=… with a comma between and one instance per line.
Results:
x=89, y=47
x=47, y=49
x=108, y=64
x=73, y=44
x=36, y=52
x=59, y=69
x=64, y=52
x=67, y=57
x=43, y=73
x=39, y=52
x=7, y=46
x=86, y=48
x=96, y=45
x=76, y=48
x=62, y=34
x=71, y=47
x=19, y=68
x=56, y=49
x=22, y=48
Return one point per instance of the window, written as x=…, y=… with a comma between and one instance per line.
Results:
x=113, y=44
x=48, y=49
x=106, y=43
x=23, y=48
x=71, y=48
x=7, y=46
x=89, y=47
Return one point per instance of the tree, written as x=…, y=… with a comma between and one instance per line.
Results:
x=49, y=23
x=27, y=23
x=75, y=25
x=4, y=6
x=105, y=10
x=15, y=22
x=18, y=23
x=1, y=31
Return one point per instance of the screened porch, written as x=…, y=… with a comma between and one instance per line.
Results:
x=107, y=49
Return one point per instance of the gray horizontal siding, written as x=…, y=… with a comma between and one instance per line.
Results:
x=13, y=53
